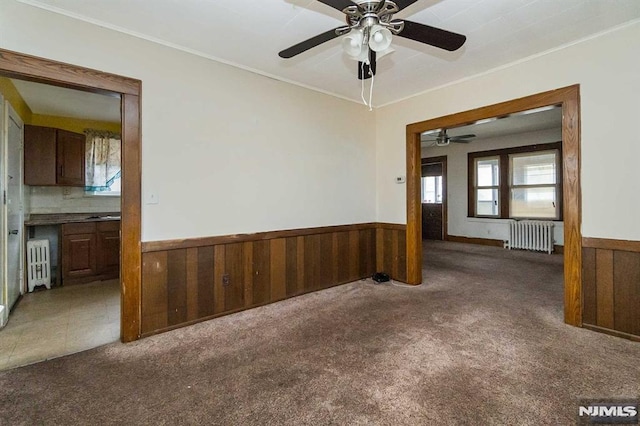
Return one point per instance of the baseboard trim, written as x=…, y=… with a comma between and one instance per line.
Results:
x=473, y=240
x=489, y=242
x=393, y=226
x=612, y=332
x=610, y=244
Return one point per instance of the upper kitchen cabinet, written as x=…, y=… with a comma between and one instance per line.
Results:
x=53, y=157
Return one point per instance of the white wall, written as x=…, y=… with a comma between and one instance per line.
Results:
x=226, y=151
x=608, y=71
x=58, y=199
x=457, y=199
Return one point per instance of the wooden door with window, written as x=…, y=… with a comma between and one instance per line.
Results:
x=434, y=198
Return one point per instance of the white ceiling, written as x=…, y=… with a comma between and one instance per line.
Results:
x=527, y=121
x=62, y=102
x=250, y=33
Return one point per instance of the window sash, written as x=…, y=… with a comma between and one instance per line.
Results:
x=505, y=177
x=494, y=162
x=518, y=212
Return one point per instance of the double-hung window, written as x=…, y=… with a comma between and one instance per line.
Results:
x=534, y=185
x=487, y=186
x=519, y=183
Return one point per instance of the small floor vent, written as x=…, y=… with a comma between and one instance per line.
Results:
x=38, y=264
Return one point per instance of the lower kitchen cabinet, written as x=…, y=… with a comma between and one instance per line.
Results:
x=90, y=251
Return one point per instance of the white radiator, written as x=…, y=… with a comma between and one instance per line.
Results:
x=534, y=235
x=38, y=264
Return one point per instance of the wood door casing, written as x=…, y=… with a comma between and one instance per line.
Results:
x=569, y=99
x=41, y=70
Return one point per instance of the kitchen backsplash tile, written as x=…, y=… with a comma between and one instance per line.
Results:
x=66, y=199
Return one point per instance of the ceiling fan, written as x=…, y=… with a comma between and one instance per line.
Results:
x=443, y=138
x=371, y=25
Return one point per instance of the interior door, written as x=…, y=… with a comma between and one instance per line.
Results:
x=14, y=205
x=434, y=198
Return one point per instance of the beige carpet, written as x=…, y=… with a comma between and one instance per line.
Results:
x=482, y=342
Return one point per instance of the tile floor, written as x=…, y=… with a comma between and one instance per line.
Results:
x=50, y=323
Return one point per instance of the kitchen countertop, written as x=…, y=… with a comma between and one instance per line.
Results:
x=60, y=218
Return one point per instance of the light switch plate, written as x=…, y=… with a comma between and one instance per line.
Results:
x=152, y=198
x=400, y=179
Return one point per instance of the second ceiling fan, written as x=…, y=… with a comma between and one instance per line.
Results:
x=371, y=25
x=443, y=139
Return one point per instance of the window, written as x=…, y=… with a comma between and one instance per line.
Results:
x=103, y=159
x=487, y=181
x=432, y=189
x=533, y=186
x=432, y=182
x=520, y=183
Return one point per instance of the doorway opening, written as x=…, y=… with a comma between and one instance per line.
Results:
x=434, y=198
x=25, y=67
x=568, y=99
x=63, y=178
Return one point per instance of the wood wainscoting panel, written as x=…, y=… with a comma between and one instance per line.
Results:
x=391, y=249
x=154, y=292
x=626, y=276
x=611, y=286
x=589, y=296
x=233, y=286
x=261, y=282
x=177, y=286
x=604, y=288
x=291, y=267
x=367, y=255
x=205, y=278
x=205, y=295
x=278, y=275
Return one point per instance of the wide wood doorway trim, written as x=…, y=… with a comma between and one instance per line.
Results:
x=25, y=67
x=569, y=99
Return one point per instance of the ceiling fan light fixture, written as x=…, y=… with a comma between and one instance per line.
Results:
x=353, y=44
x=380, y=38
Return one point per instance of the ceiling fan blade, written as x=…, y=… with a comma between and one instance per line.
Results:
x=456, y=140
x=404, y=3
x=338, y=4
x=463, y=136
x=308, y=44
x=433, y=36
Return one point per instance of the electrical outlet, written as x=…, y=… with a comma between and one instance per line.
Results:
x=226, y=280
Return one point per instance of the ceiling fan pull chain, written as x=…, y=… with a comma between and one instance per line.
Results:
x=364, y=101
x=373, y=79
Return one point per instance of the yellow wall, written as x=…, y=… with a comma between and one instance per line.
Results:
x=11, y=94
x=78, y=125
x=72, y=124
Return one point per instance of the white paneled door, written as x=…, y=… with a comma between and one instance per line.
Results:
x=14, y=205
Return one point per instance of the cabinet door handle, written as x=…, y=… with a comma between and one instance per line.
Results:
x=61, y=170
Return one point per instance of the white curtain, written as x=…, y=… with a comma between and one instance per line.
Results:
x=103, y=159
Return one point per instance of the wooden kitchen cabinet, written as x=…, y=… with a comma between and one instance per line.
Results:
x=90, y=251
x=53, y=157
x=70, y=159
x=108, y=252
